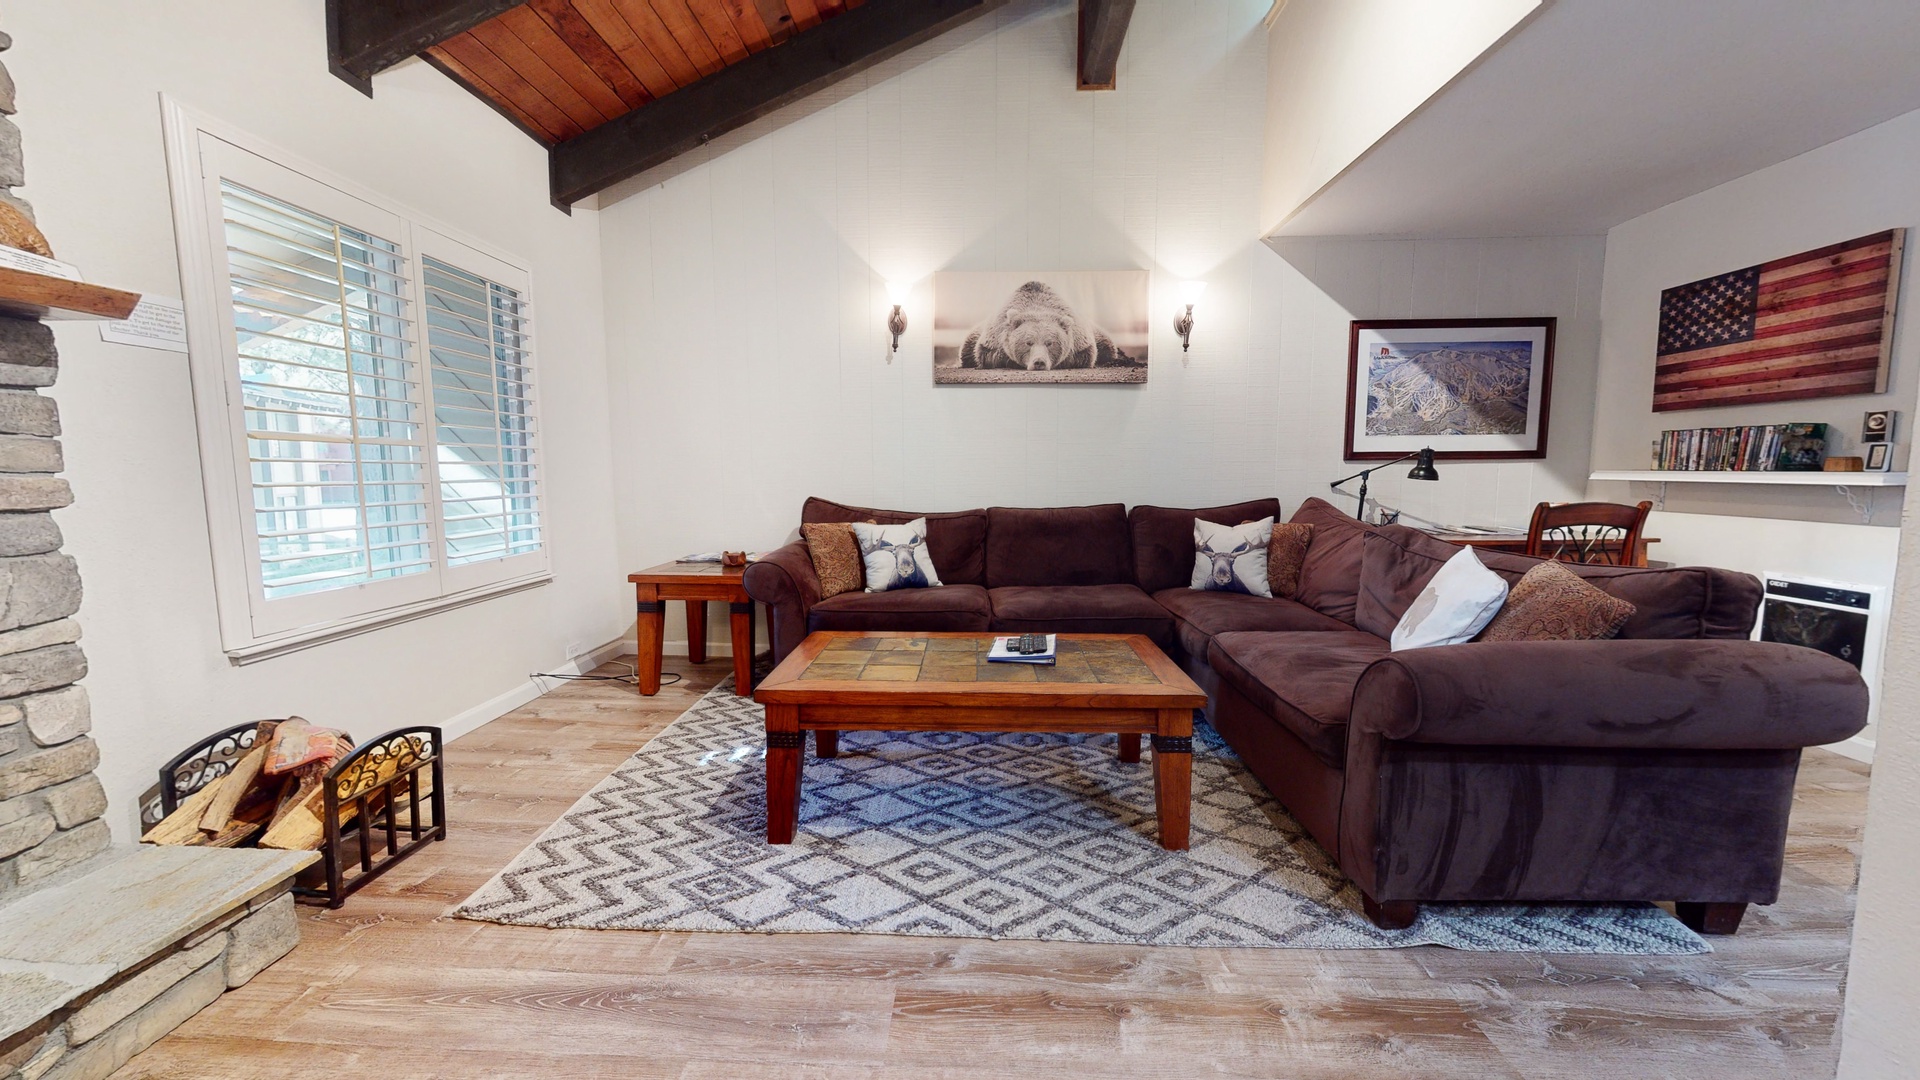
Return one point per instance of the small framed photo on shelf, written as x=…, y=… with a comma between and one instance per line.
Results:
x=1880, y=457
x=1472, y=389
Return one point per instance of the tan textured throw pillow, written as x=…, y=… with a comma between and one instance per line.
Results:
x=1551, y=603
x=836, y=557
x=1286, y=553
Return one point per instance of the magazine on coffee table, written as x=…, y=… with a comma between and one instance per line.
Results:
x=1006, y=650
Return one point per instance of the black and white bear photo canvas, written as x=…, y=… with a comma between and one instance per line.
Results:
x=1076, y=326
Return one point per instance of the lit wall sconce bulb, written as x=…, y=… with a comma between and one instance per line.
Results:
x=1183, y=324
x=897, y=292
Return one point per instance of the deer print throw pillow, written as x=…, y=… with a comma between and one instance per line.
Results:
x=896, y=555
x=1232, y=558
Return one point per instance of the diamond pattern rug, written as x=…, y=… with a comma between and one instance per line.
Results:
x=949, y=834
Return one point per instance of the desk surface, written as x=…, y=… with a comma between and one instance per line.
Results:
x=669, y=573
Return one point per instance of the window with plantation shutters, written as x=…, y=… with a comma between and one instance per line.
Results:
x=477, y=337
x=365, y=389
x=335, y=443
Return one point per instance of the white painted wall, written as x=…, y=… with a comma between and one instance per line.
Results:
x=91, y=117
x=1879, y=1039
x=746, y=300
x=1325, y=284
x=1343, y=73
x=1858, y=185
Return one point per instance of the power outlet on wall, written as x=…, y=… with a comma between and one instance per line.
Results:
x=575, y=650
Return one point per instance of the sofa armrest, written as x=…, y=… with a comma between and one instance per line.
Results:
x=1640, y=694
x=784, y=580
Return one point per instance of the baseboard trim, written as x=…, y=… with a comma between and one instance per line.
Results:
x=501, y=704
x=1858, y=748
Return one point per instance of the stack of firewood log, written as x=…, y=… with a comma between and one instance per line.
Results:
x=273, y=797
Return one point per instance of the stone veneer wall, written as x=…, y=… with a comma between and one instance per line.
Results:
x=50, y=801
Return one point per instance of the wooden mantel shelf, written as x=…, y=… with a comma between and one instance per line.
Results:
x=26, y=295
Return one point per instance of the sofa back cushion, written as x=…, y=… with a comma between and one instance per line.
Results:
x=956, y=542
x=1330, y=575
x=1669, y=602
x=1065, y=545
x=1163, y=538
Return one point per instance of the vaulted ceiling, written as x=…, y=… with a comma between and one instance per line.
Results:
x=615, y=87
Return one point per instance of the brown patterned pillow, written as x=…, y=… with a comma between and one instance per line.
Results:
x=1551, y=603
x=836, y=557
x=1286, y=553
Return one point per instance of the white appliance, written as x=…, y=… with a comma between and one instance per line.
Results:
x=1843, y=619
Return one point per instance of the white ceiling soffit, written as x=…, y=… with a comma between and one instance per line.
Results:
x=1599, y=111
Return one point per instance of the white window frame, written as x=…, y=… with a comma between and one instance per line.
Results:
x=200, y=151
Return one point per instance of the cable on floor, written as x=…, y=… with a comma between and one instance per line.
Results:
x=667, y=678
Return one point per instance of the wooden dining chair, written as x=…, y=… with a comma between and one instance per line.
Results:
x=1588, y=532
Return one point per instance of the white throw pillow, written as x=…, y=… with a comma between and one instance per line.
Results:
x=895, y=555
x=1232, y=558
x=1457, y=604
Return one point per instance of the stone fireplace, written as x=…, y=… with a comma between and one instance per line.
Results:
x=103, y=949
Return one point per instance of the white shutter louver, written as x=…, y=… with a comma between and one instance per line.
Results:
x=336, y=446
x=478, y=337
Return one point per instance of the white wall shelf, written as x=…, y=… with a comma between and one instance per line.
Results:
x=1798, y=479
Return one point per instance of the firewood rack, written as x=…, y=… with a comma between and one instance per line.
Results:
x=373, y=779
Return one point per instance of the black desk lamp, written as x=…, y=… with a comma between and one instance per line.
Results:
x=1422, y=470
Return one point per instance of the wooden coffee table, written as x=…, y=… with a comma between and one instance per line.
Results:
x=850, y=681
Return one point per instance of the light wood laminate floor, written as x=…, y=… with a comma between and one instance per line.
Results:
x=388, y=987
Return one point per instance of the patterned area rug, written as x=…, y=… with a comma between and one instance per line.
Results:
x=1046, y=837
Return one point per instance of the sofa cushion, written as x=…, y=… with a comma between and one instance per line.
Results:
x=1066, y=545
x=1080, y=609
x=895, y=556
x=1552, y=603
x=949, y=607
x=836, y=557
x=1669, y=602
x=1330, y=574
x=1163, y=538
x=1304, y=681
x=957, y=542
x=1286, y=551
x=1457, y=603
x=1231, y=558
x=1198, y=616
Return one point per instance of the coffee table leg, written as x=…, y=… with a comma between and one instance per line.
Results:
x=650, y=620
x=1173, y=777
x=826, y=744
x=697, y=631
x=740, y=616
x=1130, y=747
x=785, y=742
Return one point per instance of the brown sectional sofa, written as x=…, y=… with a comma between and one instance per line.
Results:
x=1655, y=766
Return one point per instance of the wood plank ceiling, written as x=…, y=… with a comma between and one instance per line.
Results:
x=560, y=68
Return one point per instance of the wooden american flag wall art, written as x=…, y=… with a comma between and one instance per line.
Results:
x=1817, y=324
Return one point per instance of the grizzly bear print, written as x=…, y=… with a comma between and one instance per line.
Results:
x=1037, y=331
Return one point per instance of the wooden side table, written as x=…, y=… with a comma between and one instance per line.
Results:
x=697, y=584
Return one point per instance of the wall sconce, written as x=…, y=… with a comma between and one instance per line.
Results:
x=897, y=292
x=1183, y=325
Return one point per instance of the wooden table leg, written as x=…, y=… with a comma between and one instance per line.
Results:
x=741, y=615
x=826, y=744
x=697, y=631
x=1130, y=747
x=1173, y=777
x=785, y=741
x=650, y=622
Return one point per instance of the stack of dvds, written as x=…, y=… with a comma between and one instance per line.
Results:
x=1754, y=448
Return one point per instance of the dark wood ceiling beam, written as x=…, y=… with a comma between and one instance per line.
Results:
x=366, y=37
x=810, y=61
x=1103, y=29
